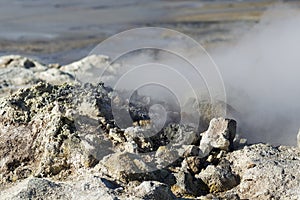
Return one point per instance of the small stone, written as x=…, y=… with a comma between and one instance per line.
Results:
x=210, y=158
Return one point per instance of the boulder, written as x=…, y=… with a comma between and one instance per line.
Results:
x=219, y=178
x=85, y=69
x=21, y=72
x=82, y=187
x=220, y=134
x=180, y=134
x=37, y=188
x=125, y=167
x=266, y=172
x=51, y=143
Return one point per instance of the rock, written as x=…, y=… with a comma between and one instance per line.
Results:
x=42, y=189
x=56, y=146
x=220, y=134
x=167, y=155
x=194, y=163
x=187, y=185
x=64, y=142
x=18, y=61
x=81, y=188
x=141, y=137
x=153, y=190
x=191, y=150
x=21, y=72
x=219, y=178
x=130, y=147
x=116, y=135
x=126, y=167
x=259, y=164
x=208, y=110
x=179, y=134
x=85, y=69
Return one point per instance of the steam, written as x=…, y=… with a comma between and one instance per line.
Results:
x=261, y=72
x=262, y=78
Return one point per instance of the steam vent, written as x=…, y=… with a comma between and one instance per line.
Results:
x=59, y=139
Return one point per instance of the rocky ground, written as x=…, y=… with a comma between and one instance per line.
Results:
x=59, y=140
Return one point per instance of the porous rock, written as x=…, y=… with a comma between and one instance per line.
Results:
x=266, y=172
x=37, y=188
x=62, y=132
x=21, y=72
x=219, y=178
x=49, y=144
x=125, y=167
x=220, y=134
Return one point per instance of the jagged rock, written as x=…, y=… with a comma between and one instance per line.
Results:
x=266, y=172
x=50, y=143
x=116, y=136
x=140, y=137
x=166, y=155
x=194, y=163
x=84, y=187
x=180, y=134
x=42, y=189
x=125, y=167
x=207, y=110
x=153, y=190
x=187, y=185
x=85, y=69
x=18, y=61
x=62, y=132
x=191, y=150
x=221, y=196
x=220, y=134
x=21, y=72
x=219, y=178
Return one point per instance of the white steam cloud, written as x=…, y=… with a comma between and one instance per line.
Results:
x=261, y=72
x=262, y=78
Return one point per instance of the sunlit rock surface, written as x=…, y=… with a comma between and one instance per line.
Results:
x=60, y=140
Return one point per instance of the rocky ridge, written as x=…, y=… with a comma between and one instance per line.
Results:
x=59, y=140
